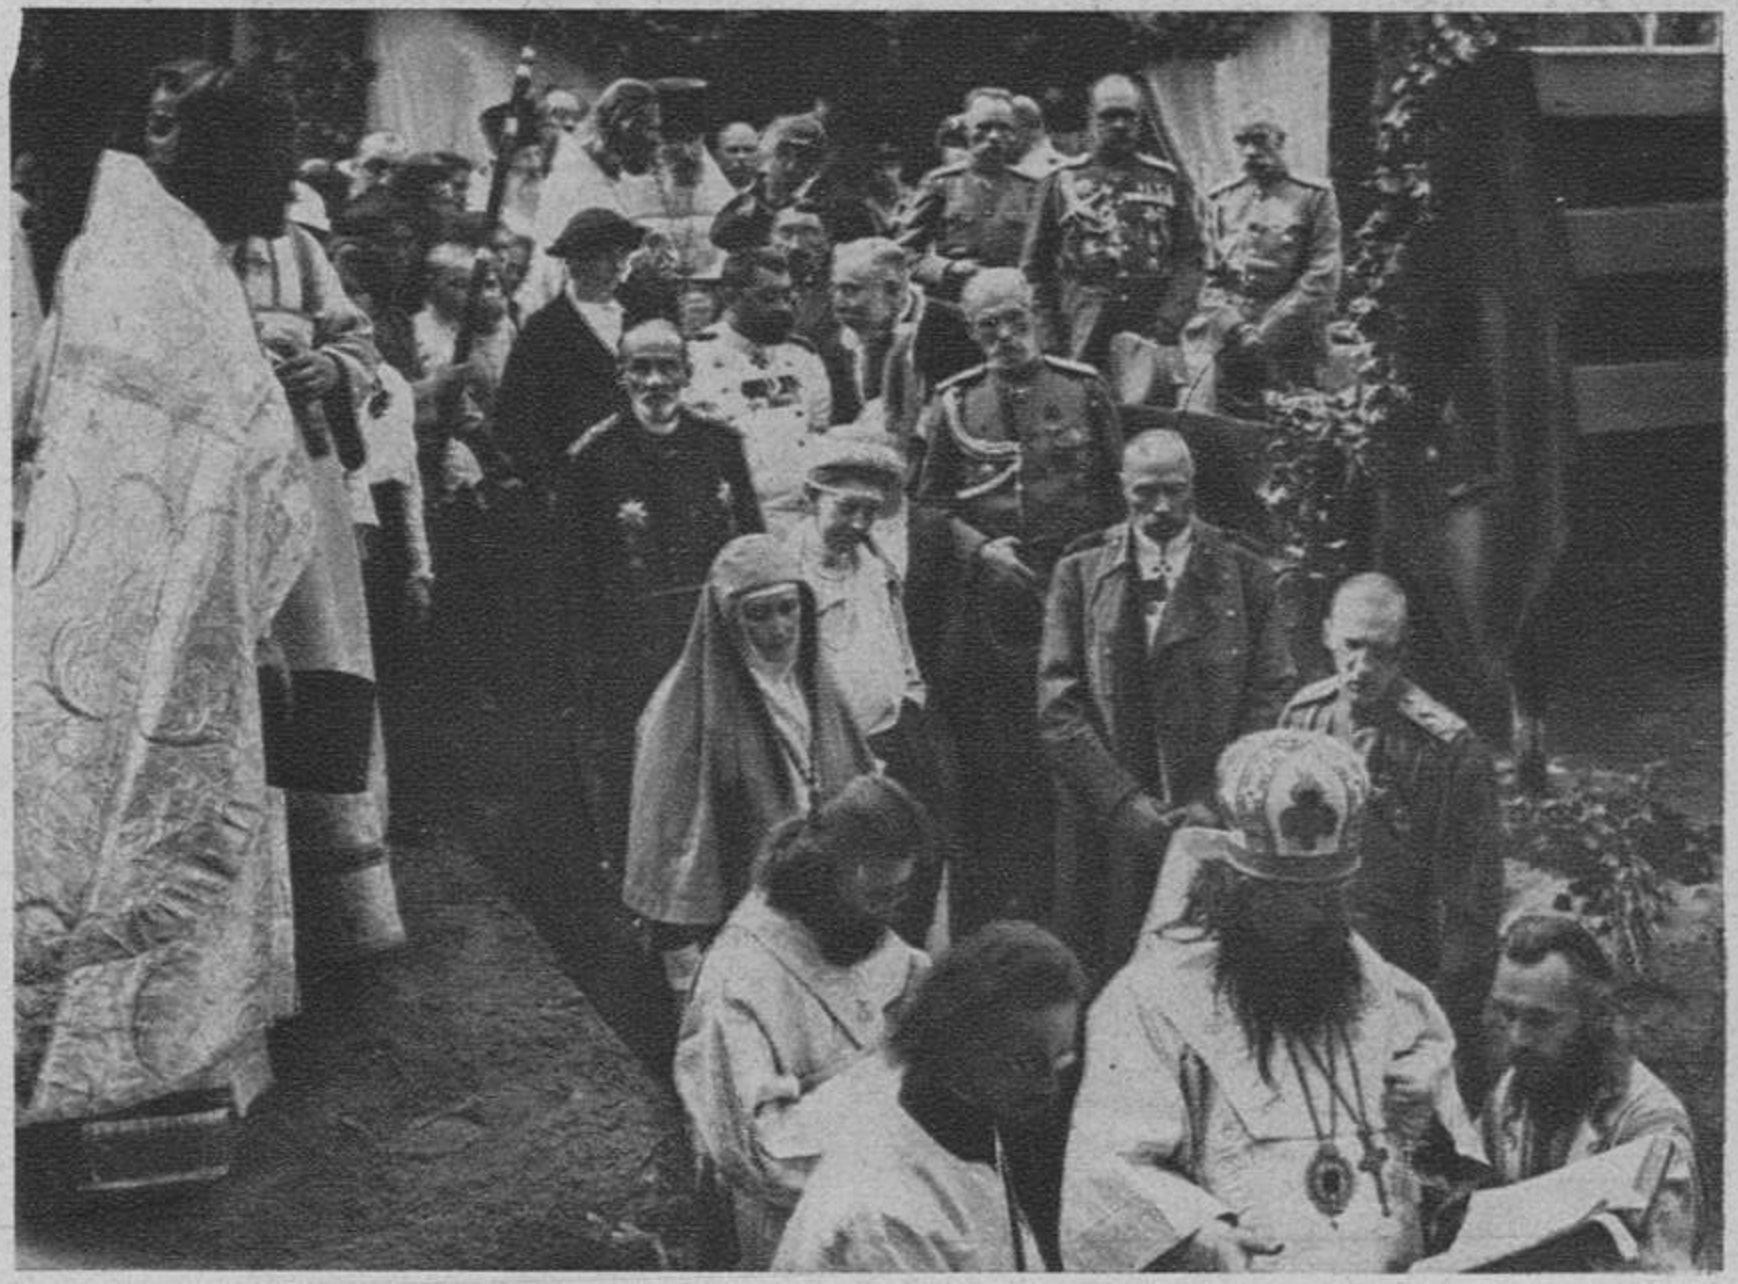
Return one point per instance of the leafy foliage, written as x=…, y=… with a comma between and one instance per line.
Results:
x=1616, y=841
x=1331, y=441
x=1407, y=134
x=1316, y=456
x=316, y=58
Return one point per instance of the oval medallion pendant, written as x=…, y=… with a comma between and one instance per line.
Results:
x=1329, y=1180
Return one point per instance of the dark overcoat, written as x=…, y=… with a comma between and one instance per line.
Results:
x=1118, y=717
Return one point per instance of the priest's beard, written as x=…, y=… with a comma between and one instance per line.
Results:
x=1300, y=991
x=1558, y=1091
x=806, y=892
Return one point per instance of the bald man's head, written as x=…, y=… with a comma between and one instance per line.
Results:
x=1115, y=87
x=997, y=303
x=739, y=152
x=654, y=370
x=1158, y=484
x=1117, y=106
x=1373, y=593
x=1158, y=447
x=1365, y=632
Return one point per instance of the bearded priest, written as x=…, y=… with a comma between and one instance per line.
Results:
x=1261, y=1089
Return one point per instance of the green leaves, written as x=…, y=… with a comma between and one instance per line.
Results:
x=1617, y=843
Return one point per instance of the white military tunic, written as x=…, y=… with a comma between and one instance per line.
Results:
x=889, y=1198
x=781, y=401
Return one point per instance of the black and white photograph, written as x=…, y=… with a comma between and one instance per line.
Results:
x=910, y=641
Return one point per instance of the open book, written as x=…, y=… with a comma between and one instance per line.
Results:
x=1509, y=1220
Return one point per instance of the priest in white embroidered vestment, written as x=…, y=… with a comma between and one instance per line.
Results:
x=1261, y=1090
x=151, y=927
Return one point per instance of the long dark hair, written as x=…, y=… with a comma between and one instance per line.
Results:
x=872, y=816
x=1273, y=997
x=965, y=1009
x=235, y=156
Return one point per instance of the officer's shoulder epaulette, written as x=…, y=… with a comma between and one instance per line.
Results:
x=1072, y=367
x=970, y=375
x=1318, y=692
x=1430, y=713
x=942, y=171
x=1227, y=186
x=587, y=439
x=1311, y=180
x=1155, y=162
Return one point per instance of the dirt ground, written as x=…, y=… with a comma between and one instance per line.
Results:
x=496, y=1097
x=456, y=1106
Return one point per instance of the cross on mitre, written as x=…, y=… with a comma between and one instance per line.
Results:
x=1309, y=818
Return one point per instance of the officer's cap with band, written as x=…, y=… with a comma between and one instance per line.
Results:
x=861, y=457
x=1295, y=800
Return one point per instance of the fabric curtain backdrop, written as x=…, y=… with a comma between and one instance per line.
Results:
x=438, y=72
x=1284, y=69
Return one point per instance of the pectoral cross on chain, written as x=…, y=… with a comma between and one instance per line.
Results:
x=1375, y=1156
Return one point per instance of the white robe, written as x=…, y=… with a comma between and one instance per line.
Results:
x=151, y=914
x=860, y=617
x=887, y=1197
x=1174, y=1125
x=768, y=1027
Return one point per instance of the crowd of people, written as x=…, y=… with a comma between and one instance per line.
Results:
x=834, y=521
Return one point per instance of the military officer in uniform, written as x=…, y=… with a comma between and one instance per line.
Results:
x=1025, y=447
x=752, y=372
x=1430, y=891
x=1274, y=272
x=1116, y=244
x=969, y=215
x=1023, y=451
